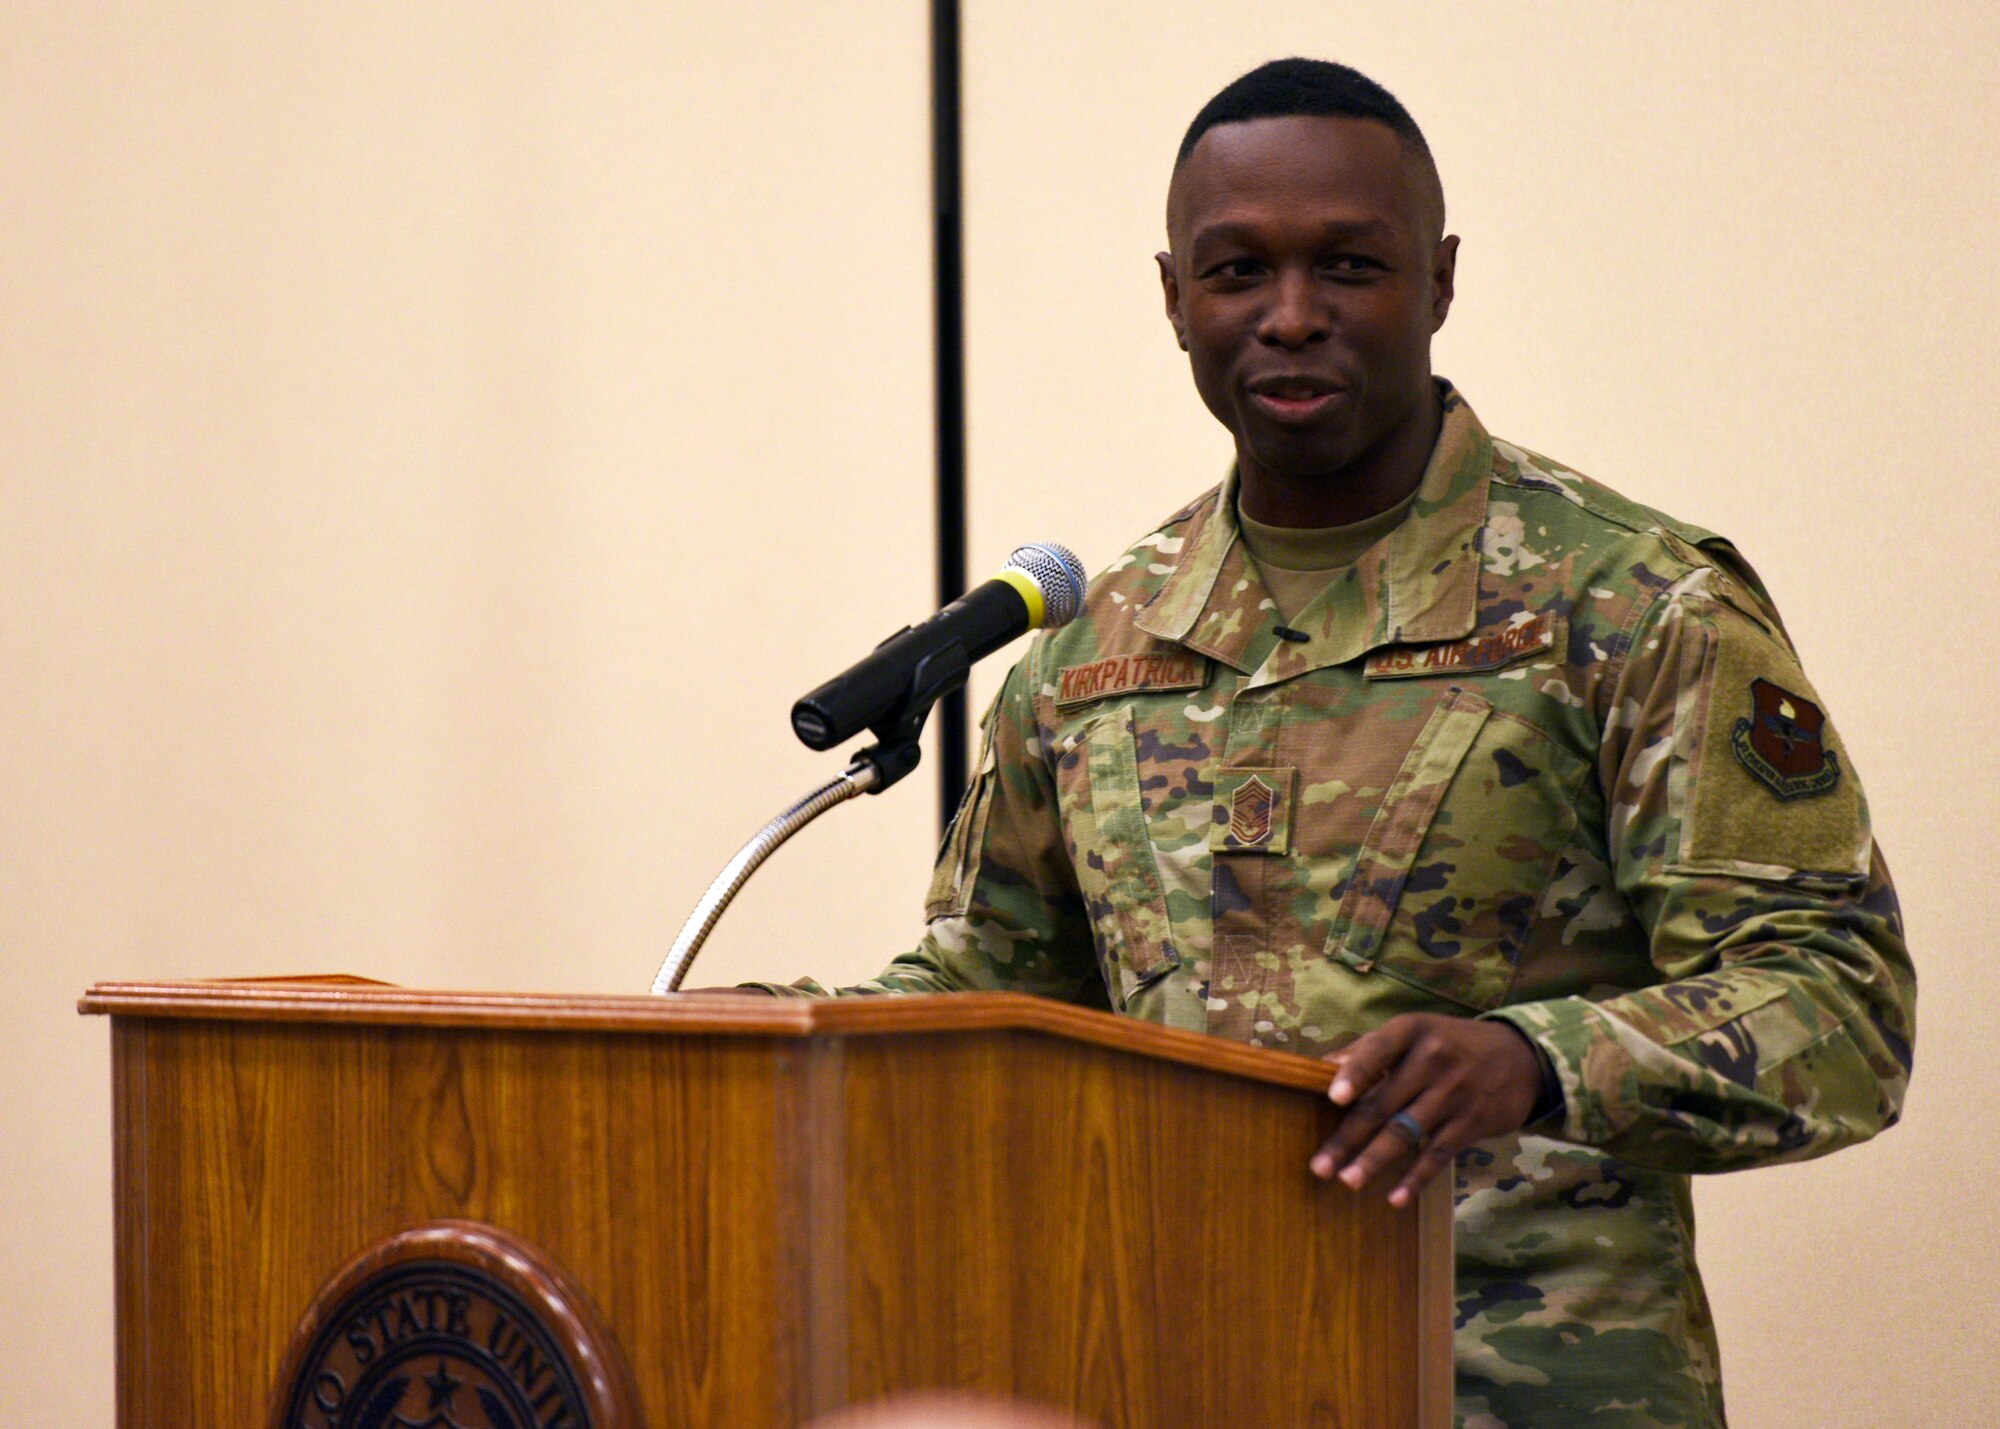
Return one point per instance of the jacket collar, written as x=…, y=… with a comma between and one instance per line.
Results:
x=1418, y=585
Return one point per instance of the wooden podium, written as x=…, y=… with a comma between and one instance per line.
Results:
x=714, y=1211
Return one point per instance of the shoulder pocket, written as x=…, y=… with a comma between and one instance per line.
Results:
x=951, y=881
x=1767, y=789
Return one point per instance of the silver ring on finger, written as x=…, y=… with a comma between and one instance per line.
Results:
x=1405, y=1126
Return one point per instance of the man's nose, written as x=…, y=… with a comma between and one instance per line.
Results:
x=1297, y=315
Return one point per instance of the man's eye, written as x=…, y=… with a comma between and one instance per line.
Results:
x=1238, y=268
x=1352, y=263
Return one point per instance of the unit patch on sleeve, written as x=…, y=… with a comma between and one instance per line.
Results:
x=1118, y=674
x=1780, y=743
x=1488, y=650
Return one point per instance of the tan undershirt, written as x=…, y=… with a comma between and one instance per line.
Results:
x=1298, y=562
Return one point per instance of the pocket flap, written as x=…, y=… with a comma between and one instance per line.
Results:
x=1397, y=833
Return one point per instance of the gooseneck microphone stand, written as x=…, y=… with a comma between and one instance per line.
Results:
x=860, y=777
x=895, y=753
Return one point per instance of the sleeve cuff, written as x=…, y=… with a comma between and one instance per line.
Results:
x=1550, y=1101
x=1563, y=1030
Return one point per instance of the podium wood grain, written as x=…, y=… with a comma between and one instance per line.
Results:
x=777, y=1207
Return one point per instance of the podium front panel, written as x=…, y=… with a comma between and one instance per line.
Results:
x=767, y=1210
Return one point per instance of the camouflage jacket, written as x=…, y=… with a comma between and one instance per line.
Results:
x=1543, y=755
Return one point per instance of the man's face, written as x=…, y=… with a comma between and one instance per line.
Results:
x=1305, y=280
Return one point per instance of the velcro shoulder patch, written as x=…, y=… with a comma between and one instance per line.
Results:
x=1122, y=674
x=1488, y=650
x=1768, y=784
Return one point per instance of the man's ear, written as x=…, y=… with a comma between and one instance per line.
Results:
x=1444, y=275
x=1170, y=286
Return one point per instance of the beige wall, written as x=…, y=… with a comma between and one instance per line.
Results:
x=438, y=442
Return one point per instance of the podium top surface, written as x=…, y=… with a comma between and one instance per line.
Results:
x=360, y=1001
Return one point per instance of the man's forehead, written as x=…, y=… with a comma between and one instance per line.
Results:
x=1330, y=224
x=1360, y=166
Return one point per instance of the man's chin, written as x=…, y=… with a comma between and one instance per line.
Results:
x=1303, y=458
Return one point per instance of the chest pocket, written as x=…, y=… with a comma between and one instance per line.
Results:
x=1097, y=779
x=1451, y=874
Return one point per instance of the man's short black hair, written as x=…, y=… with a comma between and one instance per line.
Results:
x=1283, y=88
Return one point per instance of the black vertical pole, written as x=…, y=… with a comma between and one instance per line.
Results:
x=948, y=272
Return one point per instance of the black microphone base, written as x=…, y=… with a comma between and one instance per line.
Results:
x=891, y=761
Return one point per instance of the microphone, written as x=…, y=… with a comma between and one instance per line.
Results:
x=890, y=690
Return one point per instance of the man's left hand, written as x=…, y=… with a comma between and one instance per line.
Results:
x=1453, y=1080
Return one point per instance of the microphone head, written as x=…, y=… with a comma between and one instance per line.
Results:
x=1058, y=574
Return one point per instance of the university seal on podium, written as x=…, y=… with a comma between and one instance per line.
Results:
x=452, y=1325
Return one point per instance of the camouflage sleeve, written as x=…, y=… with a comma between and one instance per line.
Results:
x=1004, y=913
x=1782, y=1022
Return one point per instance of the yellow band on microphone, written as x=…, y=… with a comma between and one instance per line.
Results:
x=1038, y=609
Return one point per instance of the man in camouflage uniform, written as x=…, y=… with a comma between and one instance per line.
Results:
x=1525, y=816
